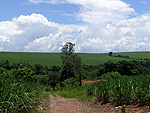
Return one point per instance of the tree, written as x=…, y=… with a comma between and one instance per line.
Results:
x=77, y=64
x=26, y=73
x=74, y=59
x=53, y=79
x=110, y=53
x=67, y=71
x=68, y=48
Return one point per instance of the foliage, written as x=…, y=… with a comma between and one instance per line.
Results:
x=122, y=56
x=77, y=64
x=2, y=70
x=17, y=95
x=38, y=68
x=124, y=90
x=53, y=79
x=123, y=109
x=111, y=75
x=26, y=73
x=79, y=92
x=71, y=82
x=68, y=48
x=67, y=71
x=110, y=53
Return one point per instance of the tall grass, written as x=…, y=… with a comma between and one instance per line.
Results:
x=124, y=90
x=16, y=95
x=79, y=93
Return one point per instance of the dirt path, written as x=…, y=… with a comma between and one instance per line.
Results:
x=59, y=104
x=64, y=105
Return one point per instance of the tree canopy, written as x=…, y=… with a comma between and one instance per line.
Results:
x=68, y=48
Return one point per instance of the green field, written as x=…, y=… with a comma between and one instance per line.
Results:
x=49, y=59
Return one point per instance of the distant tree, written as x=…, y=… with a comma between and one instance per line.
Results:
x=68, y=48
x=110, y=53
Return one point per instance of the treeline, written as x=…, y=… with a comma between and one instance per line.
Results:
x=47, y=76
x=124, y=67
x=73, y=67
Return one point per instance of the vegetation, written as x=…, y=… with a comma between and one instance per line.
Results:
x=50, y=59
x=68, y=48
x=124, y=90
x=25, y=76
x=78, y=92
x=17, y=95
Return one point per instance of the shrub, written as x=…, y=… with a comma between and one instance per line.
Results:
x=71, y=82
x=111, y=75
x=26, y=73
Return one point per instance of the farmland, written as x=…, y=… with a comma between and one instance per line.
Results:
x=49, y=59
x=125, y=81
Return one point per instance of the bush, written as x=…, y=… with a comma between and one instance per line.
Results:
x=71, y=82
x=26, y=74
x=111, y=75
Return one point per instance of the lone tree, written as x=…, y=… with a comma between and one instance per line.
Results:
x=70, y=59
x=68, y=48
x=110, y=53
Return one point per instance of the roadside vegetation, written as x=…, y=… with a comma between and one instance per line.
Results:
x=122, y=79
x=18, y=94
x=123, y=90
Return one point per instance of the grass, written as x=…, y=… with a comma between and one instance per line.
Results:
x=135, y=54
x=49, y=59
x=46, y=59
x=79, y=93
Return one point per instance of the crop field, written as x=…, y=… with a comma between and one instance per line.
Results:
x=49, y=59
x=123, y=90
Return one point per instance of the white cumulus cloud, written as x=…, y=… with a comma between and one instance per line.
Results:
x=107, y=27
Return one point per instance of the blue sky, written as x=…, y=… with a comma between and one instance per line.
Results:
x=93, y=25
x=53, y=12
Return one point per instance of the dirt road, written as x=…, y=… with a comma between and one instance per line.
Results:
x=64, y=105
x=59, y=104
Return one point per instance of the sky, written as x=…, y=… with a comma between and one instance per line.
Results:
x=94, y=26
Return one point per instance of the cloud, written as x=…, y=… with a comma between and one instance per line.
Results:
x=106, y=27
x=96, y=11
x=20, y=31
x=35, y=33
x=102, y=11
